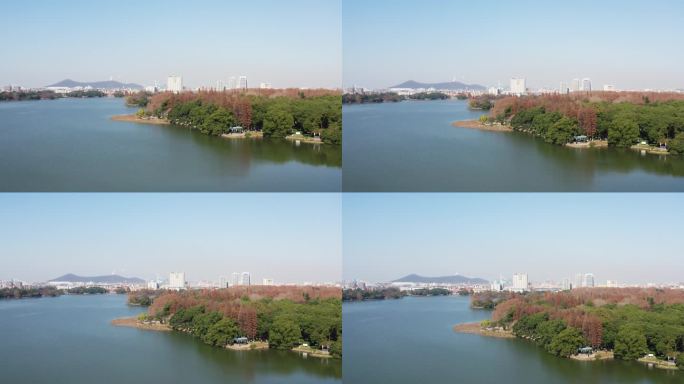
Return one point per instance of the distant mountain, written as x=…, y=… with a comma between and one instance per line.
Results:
x=454, y=279
x=451, y=85
x=107, y=279
x=96, y=84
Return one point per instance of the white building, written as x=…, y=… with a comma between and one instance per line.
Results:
x=612, y=284
x=520, y=282
x=267, y=282
x=174, y=84
x=609, y=88
x=586, y=85
x=265, y=86
x=235, y=279
x=575, y=85
x=518, y=86
x=588, y=281
x=245, y=280
x=152, y=284
x=563, y=89
x=242, y=84
x=223, y=282
x=177, y=280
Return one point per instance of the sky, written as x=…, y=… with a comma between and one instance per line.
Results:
x=294, y=43
x=631, y=44
x=631, y=238
x=292, y=238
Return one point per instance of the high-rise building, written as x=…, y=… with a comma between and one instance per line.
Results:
x=575, y=85
x=566, y=285
x=518, y=86
x=177, y=280
x=223, y=282
x=520, y=282
x=235, y=280
x=267, y=282
x=586, y=85
x=563, y=89
x=152, y=284
x=588, y=281
x=242, y=82
x=174, y=84
x=245, y=280
x=232, y=83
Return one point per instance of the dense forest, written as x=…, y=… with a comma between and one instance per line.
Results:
x=631, y=322
x=20, y=293
x=482, y=102
x=372, y=294
x=285, y=316
x=392, y=97
x=47, y=291
x=47, y=95
x=364, y=98
x=276, y=113
x=623, y=119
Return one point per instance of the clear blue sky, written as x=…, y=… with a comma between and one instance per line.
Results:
x=627, y=43
x=287, y=237
x=631, y=238
x=294, y=43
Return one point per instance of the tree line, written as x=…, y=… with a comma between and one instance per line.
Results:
x=46, y=95
x=276, y=115
x=284, y=316
x=47, y=291
x=623, y=119
x=389, y=97
x=631, y=322
x=358, y=294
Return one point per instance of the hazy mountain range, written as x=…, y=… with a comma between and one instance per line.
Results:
x=110, y=84
x=106, y=279
x=453, y=279
x=450, y=85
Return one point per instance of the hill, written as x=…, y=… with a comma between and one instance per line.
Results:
x=450, y=85
x=106, y=279
x=453, y=279
x=96, y=84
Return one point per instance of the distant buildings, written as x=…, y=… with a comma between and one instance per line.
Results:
x=245, y=280
x=242, y=82
x=177, y=280
x=520, y=282
x=174, y=84
x=223, y=282
x=153, y=284
x=586, y=85
x=518, y=86
x=609, y=88
x=575, y=85
x=265, y=86
x=267, y=282
x=588, y=281
x=235, y=279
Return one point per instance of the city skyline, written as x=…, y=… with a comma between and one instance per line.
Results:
x=150, y=235
x=290, y=45
x=471, y=42
x=550, y=237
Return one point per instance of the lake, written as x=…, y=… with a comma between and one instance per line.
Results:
x=411, y=340
x=72, y=145
x=69, y=339
x=412, y=146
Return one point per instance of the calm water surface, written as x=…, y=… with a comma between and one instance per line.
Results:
x=70, y=340
x=72, y=145
x=411, y=341
x=411, y=146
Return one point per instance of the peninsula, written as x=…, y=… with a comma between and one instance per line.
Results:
x=306, y=320
x=637, y=324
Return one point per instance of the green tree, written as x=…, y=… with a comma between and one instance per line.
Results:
x=567, y=342
x=278, y=121
x=218, y=122
x=623, y=132
x=676, y=145
x=630, y=344
x=284, y=333
x=222, y=332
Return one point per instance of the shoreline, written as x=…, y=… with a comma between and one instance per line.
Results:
x=136, y=119
x=475, y=124
x=476, y=329
x=133, y=322
x=589, y=144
